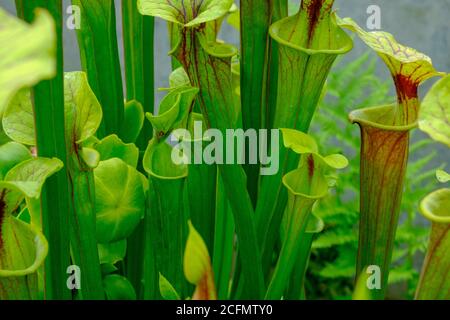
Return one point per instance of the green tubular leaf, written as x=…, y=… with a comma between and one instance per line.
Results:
x=99, y=54
x=83, y=115
x=224, y=233
x=255, y=19
x=167, y=290
x=189, y=13
x=384, y=155
x=11, y=154
x=18, y=119
x=83, y=232
x=133, y=122
x=27, y=54
x=118, y=287
x=308, y=44
x=434, y=281
x=138, y=43
x=202, y=57
x=305, y=186
x=54, y=207
x=309, y=176
x=119, y=200
x=167, y=225
x=197, y=266
x=111, y=253
x=433, y=116
x=408, y=67
x=112, y=147
x=201, y=177
x=150, y=270
x=296, y=288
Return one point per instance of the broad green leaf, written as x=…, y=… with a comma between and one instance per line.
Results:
x=119, y=200
x=197, y=266
x=27, y=53
x=11, y=154
x=34, y=170
x=435, y=112
x=118, y=287
x=82, y=109
x=111, y=253
x=166, y=289
x=299, y=142
x=442, y=176
x=30, y=175
x=133, y=121
x=188, y=13
x=303, y=143
x=26, y=180
x=112, y=147
x=18, y=119
x=336, y=161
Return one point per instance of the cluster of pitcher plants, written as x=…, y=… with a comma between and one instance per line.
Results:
x=93, y=205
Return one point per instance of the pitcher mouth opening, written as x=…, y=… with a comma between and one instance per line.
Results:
x=434, y=208
x=380, y=117
x=342, y=37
